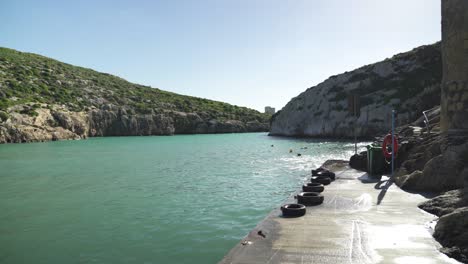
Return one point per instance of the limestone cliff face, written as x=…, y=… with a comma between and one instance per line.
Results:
x=408, y=82
x=117, y=122
x=47, y=125
x=54, y=122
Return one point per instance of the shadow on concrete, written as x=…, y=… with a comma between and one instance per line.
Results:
x=383, y=187
x=366, y=178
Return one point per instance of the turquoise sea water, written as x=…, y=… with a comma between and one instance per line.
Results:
x=177, y=199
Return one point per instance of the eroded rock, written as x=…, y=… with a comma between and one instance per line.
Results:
x=452, y=232
x=445, y=203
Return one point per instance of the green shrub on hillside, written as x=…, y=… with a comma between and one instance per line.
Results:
x=33, y=78
x=4, y=116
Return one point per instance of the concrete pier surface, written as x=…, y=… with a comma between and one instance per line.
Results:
x=362, y=220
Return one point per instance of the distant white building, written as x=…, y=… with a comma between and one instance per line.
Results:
x=269, y=110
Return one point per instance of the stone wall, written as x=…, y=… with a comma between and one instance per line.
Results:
x=454, y=94
x=454, y=101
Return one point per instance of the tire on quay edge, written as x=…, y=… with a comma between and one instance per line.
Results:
x=293, y=210
x=313, y=187
x=309, y=198
x=319, y=179
x=326, y=173
x=314, y=172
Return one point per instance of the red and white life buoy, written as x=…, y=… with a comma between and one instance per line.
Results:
x=388, y=141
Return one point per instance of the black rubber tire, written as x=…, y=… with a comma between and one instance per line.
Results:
x=313, y=187
x=322, y=180
x=326, y=173
x=317, y=170
x=293, y=210
x=309, y=198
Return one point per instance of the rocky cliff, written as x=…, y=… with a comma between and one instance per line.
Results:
x=43, y=99
x=408, y=82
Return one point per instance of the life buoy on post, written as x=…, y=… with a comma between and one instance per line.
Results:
x=388, y=141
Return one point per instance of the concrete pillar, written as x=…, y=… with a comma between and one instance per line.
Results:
x=454, y=101
x=454, y=98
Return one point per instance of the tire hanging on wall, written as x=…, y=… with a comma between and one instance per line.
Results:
x=322, y=180
x=293, y=210
x=309, y=198
x=313, y=187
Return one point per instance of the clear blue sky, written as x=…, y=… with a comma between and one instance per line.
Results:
x=246, y=52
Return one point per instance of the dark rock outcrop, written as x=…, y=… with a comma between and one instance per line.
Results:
x=445, y=203
x=440, y=173
x=359, y=161
x=427, y=160
x=452, y=233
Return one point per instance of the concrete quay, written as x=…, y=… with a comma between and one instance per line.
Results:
x=362, y=220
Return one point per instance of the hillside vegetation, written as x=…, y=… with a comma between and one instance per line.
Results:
x=26, y=77
x=30, y=84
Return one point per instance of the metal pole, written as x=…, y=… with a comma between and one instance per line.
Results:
x=355, y=121
x=393, y=140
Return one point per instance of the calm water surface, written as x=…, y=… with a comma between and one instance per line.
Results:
x=177, y=199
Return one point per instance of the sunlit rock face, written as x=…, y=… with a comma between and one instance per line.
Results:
x=408, y=82
x=54, y=122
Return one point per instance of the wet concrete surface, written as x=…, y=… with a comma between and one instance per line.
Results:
x=362, y=220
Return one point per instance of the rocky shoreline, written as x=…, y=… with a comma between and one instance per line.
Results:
x=451, y=229
x=53, y=122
